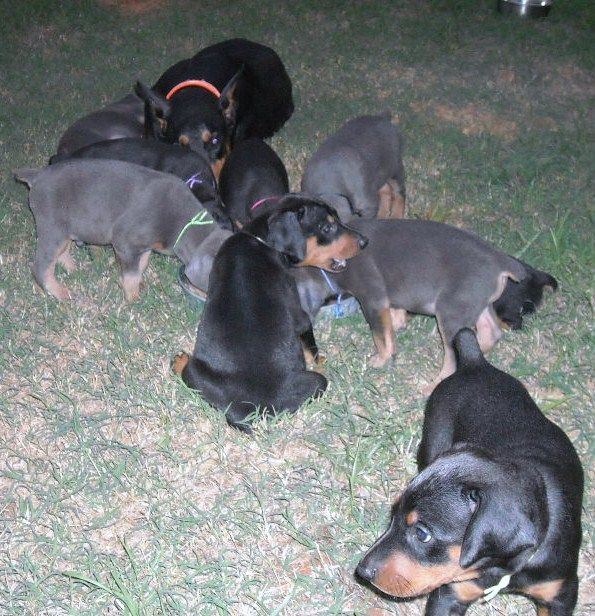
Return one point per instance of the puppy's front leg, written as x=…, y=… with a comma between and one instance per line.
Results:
x=381, y=324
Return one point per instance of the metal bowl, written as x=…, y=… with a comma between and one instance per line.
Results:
x=525, y=8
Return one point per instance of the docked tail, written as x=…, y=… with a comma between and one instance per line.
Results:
x=26, y=176
x=467, y=349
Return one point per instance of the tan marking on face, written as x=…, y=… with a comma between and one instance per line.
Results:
x=184, y=140
x=217, y=166
x=412, y=517
x=401, y=576
x=179, y=363
x=466, y=592
x=384, y=340
x=544, y=591
x=206, y=135
x=318, y=255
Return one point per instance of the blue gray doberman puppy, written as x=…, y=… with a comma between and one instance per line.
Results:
x=422, y=267
x=122, y=118
x=192, y=167
x=359, y=169
x=105, y=202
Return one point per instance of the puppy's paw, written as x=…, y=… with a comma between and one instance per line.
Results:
x=179, y=362
x=378, y=361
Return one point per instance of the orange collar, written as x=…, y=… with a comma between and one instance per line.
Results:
x=194, y=83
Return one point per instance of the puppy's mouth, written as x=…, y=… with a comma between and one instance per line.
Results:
x=338, y=265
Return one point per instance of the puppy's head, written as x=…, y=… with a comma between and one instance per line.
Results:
x=310, y=232
x=523, y=297
x=206, y=127
x=462, y=514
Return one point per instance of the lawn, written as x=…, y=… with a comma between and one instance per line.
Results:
x=121, y=492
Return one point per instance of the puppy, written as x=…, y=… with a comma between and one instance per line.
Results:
x=424, y=267
x=359, y=169
x=122, y=118
x=523, y=297
x=227, y=92
x=248, y=359
x=133, y=208
x=252, y=180
x=497, y=505
x=192, y=167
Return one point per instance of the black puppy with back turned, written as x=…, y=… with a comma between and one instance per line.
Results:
x=248, y=357
x=252, y=180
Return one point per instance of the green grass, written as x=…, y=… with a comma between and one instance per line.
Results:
x=121, y=491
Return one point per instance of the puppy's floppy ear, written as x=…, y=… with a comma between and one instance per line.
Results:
x=286, y=235
x=157, y=110
x=506, y=525
x=228, y=101
x=546, y=280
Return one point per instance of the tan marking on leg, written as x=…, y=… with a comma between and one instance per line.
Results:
x=467, y=592
x=131, y=285
x=398, y=205
x=385, y=199
x=179, y=362
x=488, y=330
x=399, y=318
x=131, y=280
x=217, y=166
x=391, y=203
x=66, y=261
x=543, y=610
x=545, y=592
x=384, y=340
x=48, y=280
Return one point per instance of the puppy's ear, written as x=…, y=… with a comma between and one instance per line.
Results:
x=503, y=529
x=286, y=235
x=157, y=110
x=228, y=101
x=546, y=280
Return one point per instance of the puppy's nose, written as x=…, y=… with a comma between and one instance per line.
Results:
x=365, y=570
x=362, y=241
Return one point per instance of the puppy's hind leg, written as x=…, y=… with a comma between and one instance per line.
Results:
x=49, y=251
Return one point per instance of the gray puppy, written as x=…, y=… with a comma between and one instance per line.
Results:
x=122, y=118
x=133, y=208
x=359, y=169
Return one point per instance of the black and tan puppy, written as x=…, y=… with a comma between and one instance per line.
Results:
x=359, y=169
x=252, y=180
x=248, y=357
x=227, y=92
x=497, y=505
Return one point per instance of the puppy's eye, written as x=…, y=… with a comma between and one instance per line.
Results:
x=474, y=495
x=328, y=227
x=422, y=533
x=214, y=140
